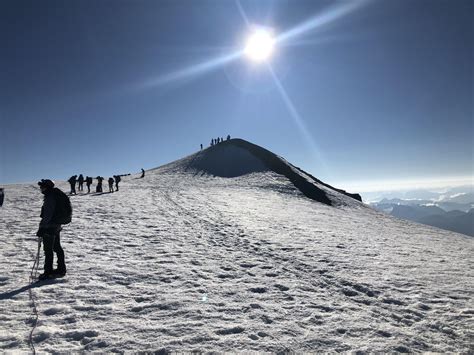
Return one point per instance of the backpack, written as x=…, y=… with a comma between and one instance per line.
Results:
x=63, y=210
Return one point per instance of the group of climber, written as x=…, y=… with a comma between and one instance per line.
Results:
x=73, y=180
x=218, y=140
x=215, y=141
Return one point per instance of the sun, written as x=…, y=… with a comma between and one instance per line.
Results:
x=259, y=46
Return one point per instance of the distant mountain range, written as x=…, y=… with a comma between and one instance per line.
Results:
x=387, y=205
x=451, y=210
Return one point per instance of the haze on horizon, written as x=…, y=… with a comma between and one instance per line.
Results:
x=354, y=93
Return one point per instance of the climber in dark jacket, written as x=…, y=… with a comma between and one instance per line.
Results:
x=111, y=184
x=49, y=230
x=117, y=180
x=88, y=183
x=80, y=181
x=72, y=181
x=98, y=188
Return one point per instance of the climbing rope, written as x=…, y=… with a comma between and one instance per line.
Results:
x=34, y=271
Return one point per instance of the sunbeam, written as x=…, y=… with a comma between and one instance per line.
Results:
x=320, y=20
x=192, y=71
x=319, y=40
x=242, y=12
x=297, y=118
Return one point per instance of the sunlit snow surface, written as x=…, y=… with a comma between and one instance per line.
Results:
x=180, y=261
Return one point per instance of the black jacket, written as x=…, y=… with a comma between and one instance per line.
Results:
x=49, y=211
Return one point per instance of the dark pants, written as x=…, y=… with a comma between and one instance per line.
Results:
x=52, y=243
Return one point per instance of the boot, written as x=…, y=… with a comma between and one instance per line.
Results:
x=59, y=272
x=45, y=276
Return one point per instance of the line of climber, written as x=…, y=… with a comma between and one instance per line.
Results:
x=215, y=141
x=88, y=180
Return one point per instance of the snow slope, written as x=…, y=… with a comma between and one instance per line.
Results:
x=187, y=260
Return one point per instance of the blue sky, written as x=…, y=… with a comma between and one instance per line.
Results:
x=383, y=91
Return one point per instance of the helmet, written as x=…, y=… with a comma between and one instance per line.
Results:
x=46, y=183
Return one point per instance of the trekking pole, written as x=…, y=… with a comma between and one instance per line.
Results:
x=34, y=269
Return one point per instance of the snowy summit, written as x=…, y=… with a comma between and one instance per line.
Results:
x=233, y=249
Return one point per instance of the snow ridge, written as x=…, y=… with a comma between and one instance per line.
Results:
x=238, y=157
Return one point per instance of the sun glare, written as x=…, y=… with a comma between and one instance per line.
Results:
x=259, y=46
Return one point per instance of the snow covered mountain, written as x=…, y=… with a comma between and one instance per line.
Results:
x=233, y=249
x=456, y=221
x=237, y=157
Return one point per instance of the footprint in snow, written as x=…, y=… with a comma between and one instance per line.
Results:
x=282, y=287
x=41, y=336
x=247, y=265
x=258, y=289
x=402, y=349
x=229, y=331
x=142, y=299
x=393, y=301
x=226, y=276
x=348, y=292
x=384, y=333
x=271, y=274
x=79, y=335
x=424, y=307
x=53, y=311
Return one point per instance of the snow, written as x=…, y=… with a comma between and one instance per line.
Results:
x=183, y=260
